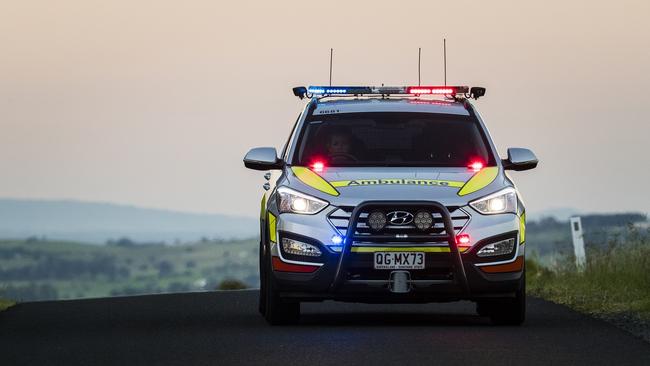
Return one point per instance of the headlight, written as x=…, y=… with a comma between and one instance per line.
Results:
x=503, y=201
x=300, y=203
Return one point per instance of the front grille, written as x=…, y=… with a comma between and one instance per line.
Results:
x=340, y=219
x=356, y=259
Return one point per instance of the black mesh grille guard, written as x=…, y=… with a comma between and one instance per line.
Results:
x=449, y=235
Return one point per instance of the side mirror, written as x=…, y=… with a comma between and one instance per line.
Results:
x=520, y=159
x=476, y=92
x=263, y=158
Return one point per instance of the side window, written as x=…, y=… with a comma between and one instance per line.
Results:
x=286, y=145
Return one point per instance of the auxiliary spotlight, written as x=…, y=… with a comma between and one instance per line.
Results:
x=377, y=220
x=423, y=220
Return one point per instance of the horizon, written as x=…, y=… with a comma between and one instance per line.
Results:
x=555, y=212
x=99, y=223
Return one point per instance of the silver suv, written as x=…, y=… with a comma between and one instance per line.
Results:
x=391, y=195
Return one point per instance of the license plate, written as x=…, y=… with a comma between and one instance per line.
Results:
x=399, y=260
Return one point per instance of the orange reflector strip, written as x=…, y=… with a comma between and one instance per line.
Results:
x=279, y=265
x=515, y=266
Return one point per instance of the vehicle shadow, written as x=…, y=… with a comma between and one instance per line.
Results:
x=330, y=313
x=397, y=319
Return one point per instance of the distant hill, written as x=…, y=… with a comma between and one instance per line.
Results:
x=94, y=222
x=558, y=213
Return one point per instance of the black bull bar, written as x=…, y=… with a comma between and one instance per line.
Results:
x=449, y=236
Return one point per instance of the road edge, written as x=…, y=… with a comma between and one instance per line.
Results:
x=629, y=322
x=6, y=304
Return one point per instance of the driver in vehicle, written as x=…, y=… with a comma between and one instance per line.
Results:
x=339, y=144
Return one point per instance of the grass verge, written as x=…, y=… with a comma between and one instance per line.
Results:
x=6, y=304
x=616, y=281
x=232, y=284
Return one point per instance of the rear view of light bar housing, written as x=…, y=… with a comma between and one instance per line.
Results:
x=323, y=91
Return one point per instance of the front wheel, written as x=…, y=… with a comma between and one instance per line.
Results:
x=279, y=311
x=276, y=310
x=262, y=271
x=507, y=311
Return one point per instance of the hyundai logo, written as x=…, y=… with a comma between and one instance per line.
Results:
x=399, y=217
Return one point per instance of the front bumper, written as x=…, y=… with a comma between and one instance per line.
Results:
x=346, y=273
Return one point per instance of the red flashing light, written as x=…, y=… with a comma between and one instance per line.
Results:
x=318, y=166
x=476, y=166
x=429, y=102
x=431, y=90
x=463, y=240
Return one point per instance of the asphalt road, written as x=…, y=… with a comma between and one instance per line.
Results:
x=224, y=328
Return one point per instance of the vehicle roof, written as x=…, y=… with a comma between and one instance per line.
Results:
x=349, y=105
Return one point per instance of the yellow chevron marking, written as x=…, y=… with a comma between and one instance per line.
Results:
x=313, y=180
x=522, y=228
x=272, y=228
x=479, y=180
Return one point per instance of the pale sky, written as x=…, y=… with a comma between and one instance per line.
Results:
x=154, y=103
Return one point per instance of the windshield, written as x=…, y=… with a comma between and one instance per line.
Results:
x=392, y=139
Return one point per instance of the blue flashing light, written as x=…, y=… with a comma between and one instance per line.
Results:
x=337, y=240
x=340, y=90
x=326, y=90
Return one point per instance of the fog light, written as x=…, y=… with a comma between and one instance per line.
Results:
x=423, y=220
x=499, y=248
x=295, y=247
x=376, y=220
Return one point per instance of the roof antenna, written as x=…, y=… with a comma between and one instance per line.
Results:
x=331, y=56
x=419, y=57
x=444, y=50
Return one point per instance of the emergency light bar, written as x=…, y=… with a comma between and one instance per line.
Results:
x=323, y=91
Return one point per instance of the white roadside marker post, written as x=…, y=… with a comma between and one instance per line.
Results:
x=578, y=243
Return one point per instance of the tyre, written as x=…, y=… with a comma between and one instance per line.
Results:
x=277, y=311
x=506, y=311
x=483, y=308
x=262, y=271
